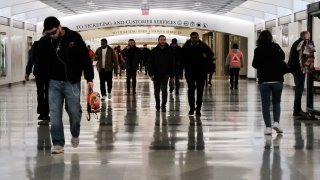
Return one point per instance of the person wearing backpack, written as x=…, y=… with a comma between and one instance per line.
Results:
x=234, y=61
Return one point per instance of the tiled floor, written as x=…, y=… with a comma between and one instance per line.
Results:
x=124, y=143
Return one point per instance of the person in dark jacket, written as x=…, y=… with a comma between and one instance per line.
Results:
x=132, y=55
x=161, y=67
x=106, y=63
x=269, y=61
x=65, y=58
x=196, y=57
x=176, y=51
x=298, y=75
x=41, y=83
x=146, y=53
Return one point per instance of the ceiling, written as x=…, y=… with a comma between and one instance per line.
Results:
x=256, y=11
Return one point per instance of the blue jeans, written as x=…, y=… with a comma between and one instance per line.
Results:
x=60, y=91
x=266, y=90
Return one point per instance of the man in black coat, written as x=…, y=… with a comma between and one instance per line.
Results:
x=41, y=83
x=176, y=51
x=64, y=58
x=161, y=67
x=133, y=56
x=298, y=75
x=146, y=53
x=196, y=57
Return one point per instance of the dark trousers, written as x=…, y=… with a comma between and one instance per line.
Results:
x=175, y=84
x=105, y=76
x=131, y=74
x=234, y=76
x=42, y=96
x=299, y=79
x=161, y=83
x=194, y=83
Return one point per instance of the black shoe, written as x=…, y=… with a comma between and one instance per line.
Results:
x=134, y=92
x=163, y=109
x=177, y=92
x=236, y=87
x=210, y=83
x=171, y=90
x=47, y=118
x=43, y=123
x=191, y=112
x=300, y=113
x=198, y=113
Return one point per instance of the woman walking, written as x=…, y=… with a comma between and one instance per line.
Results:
x=269, y=61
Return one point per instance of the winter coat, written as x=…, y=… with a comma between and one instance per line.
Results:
x=161, y=62
x=269, y=61
x=111, y=60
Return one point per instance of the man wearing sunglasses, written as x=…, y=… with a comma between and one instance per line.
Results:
x=65, y=57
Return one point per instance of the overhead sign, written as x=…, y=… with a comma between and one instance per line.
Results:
x=143, y=22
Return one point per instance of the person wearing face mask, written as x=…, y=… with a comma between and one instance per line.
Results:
x=195, y=58
x=297, y=55
x=161, y=67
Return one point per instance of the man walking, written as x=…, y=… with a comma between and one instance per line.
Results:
x=176, y=51
x=132, y=55
x=106, y=62
x=161, y=67
x=196, y=56
x=41, y=83
x=65, y=57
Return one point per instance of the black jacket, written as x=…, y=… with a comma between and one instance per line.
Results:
x=33, y=60
x=294, y=61
x=66, y=58
x=269, y=61
x=146, y=54
x=132, y=57
x=193, y=62
x=176, y=51
x=161, y=62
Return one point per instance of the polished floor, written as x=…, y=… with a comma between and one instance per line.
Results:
x=125, y=144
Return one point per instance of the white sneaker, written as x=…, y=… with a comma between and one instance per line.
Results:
x=109, y=96
x=268, y=131
x=57, y=149
x=103, y=98
x=277, y=128
x=74, y=142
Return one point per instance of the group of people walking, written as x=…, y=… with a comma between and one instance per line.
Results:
x=60, y=58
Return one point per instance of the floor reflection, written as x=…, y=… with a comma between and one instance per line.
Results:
x=271, y=169
x=195, y=134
